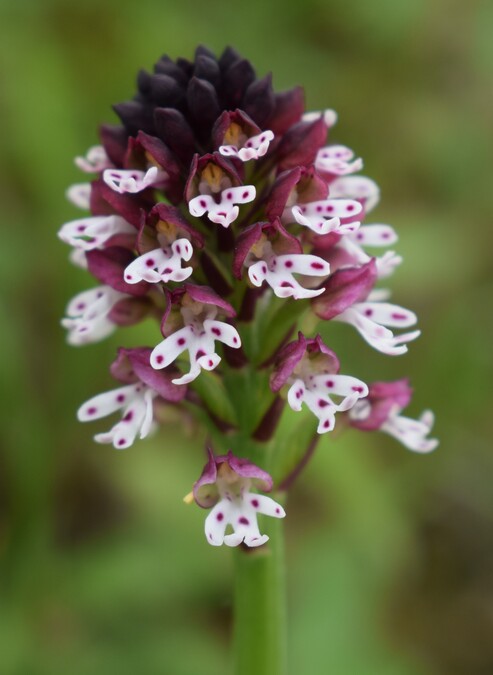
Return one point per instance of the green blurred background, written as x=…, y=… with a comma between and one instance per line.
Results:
x=102, y=568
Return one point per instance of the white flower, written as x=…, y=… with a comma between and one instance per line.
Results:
x=136, y=403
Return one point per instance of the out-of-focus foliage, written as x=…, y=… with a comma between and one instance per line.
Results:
x=103, y=570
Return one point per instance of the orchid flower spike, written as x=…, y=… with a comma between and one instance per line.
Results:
x=225, y=486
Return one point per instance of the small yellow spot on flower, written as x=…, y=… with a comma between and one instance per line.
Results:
x=188, y=499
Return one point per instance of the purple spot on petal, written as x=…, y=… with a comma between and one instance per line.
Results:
x=255, y=503
x=216, y=331
x=121, y=441
x=150, y=262
x=203, y=203
x=368, y=312
x=319, y=209
x=178, y=249
x=159, y=359
x=128, y=417
x=278, y=510
x=167, y=270
x=358, y=389
x=81, y=228
x=81, y=305
x=288, y=263
x=181, y=341
x=399, y=317
x=360, y=236
x=350, y=207
x=329, y=383
x=326, y=424
x=235, y=340
x=199, y=354
x=220, y=516
x=120, y=398
x=245, y=194
x=322, y=403
x=317, y=266
x=243, y=521
x=91, y=411
x=229, y=195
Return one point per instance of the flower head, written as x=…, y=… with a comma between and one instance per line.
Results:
x=218, y=208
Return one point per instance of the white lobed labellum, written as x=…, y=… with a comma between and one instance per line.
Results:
x=87, y=315
x=79, y=195
x=372, y=319
x=254, y=148
x=92, y=232
x=95, y=160
x=132, y=180
x=199, y=340
x=225, y=212
x=161, y=264
x=336, y=159
x=356, y=187
x=325, y=216
x=278, y=273
x=329, y=116
x=136, y=403
x=316, y=391
x=412, y=433
x=241, y=514
x=376, y=235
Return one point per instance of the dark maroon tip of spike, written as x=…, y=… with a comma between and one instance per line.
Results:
x=259, y=100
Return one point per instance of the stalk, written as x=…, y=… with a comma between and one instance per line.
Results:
x=260, y=640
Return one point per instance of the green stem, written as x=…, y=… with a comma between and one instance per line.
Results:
x=260, y=641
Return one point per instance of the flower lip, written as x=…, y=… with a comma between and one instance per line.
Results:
x=205, y=489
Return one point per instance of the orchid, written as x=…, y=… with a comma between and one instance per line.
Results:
x=223, y=213
x=225, y=485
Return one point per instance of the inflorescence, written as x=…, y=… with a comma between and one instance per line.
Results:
x=214, y=199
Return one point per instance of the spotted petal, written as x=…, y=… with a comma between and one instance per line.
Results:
x=132, y=180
